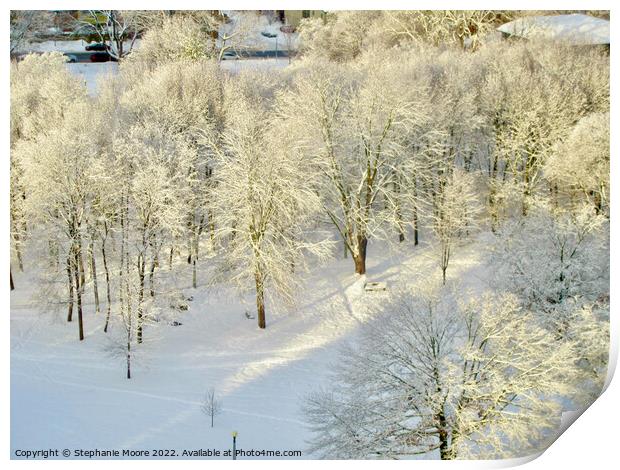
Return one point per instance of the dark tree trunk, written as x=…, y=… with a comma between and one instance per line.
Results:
x=360, y=257
x=141, y=267
x=70, y=276
x=128, y=355
x=415, y=213
x=195, y=258
x=260, y=299
x=152, y=278
x=444, y=448
x=11, y=274
x=78, y=291
x=93, y=273
x=80, y=262
x=142, y=277
x=107, y=284
x=444, y=445
x=194, y=272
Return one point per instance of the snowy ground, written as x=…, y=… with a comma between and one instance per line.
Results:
x=66, y=393
x=92, y=72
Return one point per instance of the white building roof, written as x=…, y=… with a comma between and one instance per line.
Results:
x=575, y=29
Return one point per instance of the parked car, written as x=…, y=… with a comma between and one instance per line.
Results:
x=98, y=46
x=230, y=55
x=100, y=57
x=267, y=34
x=71, y=58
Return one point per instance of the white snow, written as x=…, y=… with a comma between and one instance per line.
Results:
x=575, y=29
x=92, y=72
x=78, y=45
x=67, y=393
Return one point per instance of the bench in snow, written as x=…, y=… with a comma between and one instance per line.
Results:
x=375, y=286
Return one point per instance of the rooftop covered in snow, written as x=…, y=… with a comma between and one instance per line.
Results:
x=574, y=29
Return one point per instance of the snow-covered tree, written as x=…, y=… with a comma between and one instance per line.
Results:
x=178, y=37
x=236, y=32
x=156, y=165
x=56, y=173
x=25, y=24
x=465, y=28
x=185, y=99
x=263, y=195
x=116, y=29
x=534, y=93
x=552, y=256
x=581, y=163
x=211, y=406
x=431, y=374
x=453, y=214
x=354, y=123
x=35, y=103
x=338, y=36
x=196, y=35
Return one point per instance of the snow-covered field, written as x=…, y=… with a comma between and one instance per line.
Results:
x=71, y=394
x=91, y=73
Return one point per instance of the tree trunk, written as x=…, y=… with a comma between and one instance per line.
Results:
x=70, y=276
x=211, y=227
x=399, y=215
x=140, y=299
x=444, y=445
x=360, y=257
x=80, y=261
x=93, y=273
x=445, y=260
x=141, y=266
x=107, y=283
x=415, y=213
x=152, y=277
x=194, y=272
x=78, y=291
x=11, y=274
x=195, y=258
x=18, y=252
x=260, y=299
x=129, y=353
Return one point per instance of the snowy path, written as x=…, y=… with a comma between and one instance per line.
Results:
x=70, y=394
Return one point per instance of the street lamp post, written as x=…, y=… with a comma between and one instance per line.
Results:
x=234, y=435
